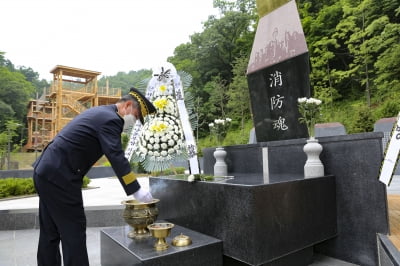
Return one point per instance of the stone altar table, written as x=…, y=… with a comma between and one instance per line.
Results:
x=118, y=249
x=259, y=221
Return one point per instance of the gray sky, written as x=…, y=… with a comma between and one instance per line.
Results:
x=107, y=36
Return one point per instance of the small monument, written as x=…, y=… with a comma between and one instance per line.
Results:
x=278, y=72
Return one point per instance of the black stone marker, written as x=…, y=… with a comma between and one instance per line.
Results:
x=278, y=74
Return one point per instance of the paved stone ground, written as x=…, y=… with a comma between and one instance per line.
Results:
x=18, y=247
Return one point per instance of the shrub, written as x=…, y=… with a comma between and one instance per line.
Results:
x=390, y=108
x=137, y=168
x=86, y=181
x=364, y=121
x=10, y=187
x=170, y=171
x=16, y=187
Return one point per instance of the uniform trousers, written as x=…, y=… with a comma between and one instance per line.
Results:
x=62, y=218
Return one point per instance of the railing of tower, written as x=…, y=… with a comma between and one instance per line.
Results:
x=104, y=91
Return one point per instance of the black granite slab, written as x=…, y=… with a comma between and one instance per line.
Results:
x=354, y=160
x=118, y=249
x=240, y=159
x=285, y=158
x=259, y=221
x=274, y=92
x=362, y=207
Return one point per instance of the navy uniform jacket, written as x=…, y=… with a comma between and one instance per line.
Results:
x=81, y=143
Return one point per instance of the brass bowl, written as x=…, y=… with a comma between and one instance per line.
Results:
x=181, y=241
x=139, y=215
x=160, y=231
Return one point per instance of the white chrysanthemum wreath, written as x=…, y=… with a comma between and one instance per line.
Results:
x=161, y=140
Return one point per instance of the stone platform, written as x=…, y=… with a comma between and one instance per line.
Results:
x=118, y=249
x=259, y=221
x=361, y=199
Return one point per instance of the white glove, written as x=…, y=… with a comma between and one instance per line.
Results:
x=143, y=195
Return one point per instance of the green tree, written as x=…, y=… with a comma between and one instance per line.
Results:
x=2, y=58
x=215, y=106
x=209, y=56
x=125, y=81
x=364, y=121
x=217, y=46
x=15, y=92
x=321, y=77
x=6, y=142
x=238, y=93
x=387, y=66
x=184, y=59
x=33, y=77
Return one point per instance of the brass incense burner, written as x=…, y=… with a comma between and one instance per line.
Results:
x=160, y=231
x=139, y=215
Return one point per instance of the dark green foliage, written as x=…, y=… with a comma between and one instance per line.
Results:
x=170, y=171
x=137, y=168
x=390, y=108
x=124, y=140
x=364, y=121
x=16, y=187
x=125, y=81
x=86, y=181
x=201, y=177
x=11, y=187
x=15, y=92
x=211, y=57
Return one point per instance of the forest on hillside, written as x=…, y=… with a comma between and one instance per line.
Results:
x=353, y=46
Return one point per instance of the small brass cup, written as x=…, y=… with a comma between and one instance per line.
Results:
x=160, y=231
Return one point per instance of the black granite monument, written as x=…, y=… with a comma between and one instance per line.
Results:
x=268, y=214
x=278, y=74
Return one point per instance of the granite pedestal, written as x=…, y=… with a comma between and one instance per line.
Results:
x=118, y=249
x=259, y=221
x=361, y=199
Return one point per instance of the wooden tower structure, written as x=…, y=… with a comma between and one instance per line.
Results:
x=73, y=91
x=39, y=119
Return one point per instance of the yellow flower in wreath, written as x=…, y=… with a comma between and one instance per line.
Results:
x=162, y=88
x=160, y=103
x=158, y=126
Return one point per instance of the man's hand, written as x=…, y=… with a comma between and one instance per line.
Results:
x=143, y=195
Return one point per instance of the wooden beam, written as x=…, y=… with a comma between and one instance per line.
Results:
x=74, y=81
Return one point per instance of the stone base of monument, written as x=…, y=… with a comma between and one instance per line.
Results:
x=118, y=249
x=353, y=160
x=260, y=222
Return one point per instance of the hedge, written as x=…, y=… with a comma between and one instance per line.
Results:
x=10, y=187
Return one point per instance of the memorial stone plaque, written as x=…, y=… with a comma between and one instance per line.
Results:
x=278, y=74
